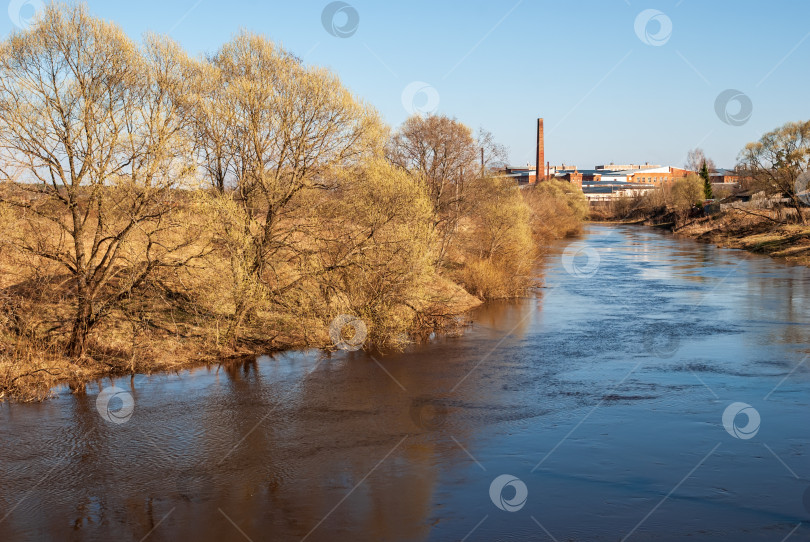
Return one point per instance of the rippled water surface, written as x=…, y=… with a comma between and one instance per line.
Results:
x=604, y=396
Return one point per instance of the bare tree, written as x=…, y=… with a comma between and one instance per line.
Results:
x=493, y=153
x=92, y=123
x=777, y=160
x=695, y=160
x=274, y=129
x=212, y=122
x=441, y=153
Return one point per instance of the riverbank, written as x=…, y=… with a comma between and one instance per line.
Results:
x=175, y=339
x=757, y=234
x=760, y=232
x=204, y=310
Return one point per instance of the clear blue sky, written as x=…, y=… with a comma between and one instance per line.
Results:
x=605, y=94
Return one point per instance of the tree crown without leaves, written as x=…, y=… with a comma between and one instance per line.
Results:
x=91, y=125
x=441, y=151
x=268, y=132
x=777, y=161
x=265, y=122
x=696, y=159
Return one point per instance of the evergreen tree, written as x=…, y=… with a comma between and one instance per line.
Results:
x=707, y=183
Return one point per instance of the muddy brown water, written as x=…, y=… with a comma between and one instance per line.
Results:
x=602, y=399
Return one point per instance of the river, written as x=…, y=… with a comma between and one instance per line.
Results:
x=654, y=389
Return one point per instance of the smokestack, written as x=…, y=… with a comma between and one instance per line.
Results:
x=541, y=152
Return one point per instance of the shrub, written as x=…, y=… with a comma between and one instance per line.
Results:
x=557, y=209
x=497, y=246
x=685, y=193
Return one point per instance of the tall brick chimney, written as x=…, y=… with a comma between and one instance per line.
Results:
x=541, y=152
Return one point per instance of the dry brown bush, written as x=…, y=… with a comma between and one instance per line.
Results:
x=557, y=208
x=496, y=248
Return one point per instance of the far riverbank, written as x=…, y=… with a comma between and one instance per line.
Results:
x=760, y=234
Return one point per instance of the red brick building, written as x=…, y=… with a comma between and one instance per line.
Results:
x=725, y=176
x=658, y=176
x=573, y=177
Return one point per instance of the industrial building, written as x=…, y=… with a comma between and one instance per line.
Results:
x=605, y=181
x=724, y=176
x=623, y=167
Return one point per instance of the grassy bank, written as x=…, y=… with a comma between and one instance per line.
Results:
x=170, y=334
x=763, y=231
x=178, y=318
x=758, y=234
x=766, y=207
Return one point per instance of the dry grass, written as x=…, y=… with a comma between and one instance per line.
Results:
x=490, y=280
x=178, y=318
x=29, y=369
x=759, y=234
x=161, y=330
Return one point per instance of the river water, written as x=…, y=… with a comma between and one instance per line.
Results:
x=601, y=399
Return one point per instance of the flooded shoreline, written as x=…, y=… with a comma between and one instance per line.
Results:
x=604, y=397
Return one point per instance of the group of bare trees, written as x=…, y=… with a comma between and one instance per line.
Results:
x=266, y=129
x=260, y=185
x=451, y=162
x=779, y=163
x=111, y=150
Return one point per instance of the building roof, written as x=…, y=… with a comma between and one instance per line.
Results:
x=583, y=171
x=660, y=169
x=722, y=173
x=623, y=167
x=609, y=188
x=596, y=189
